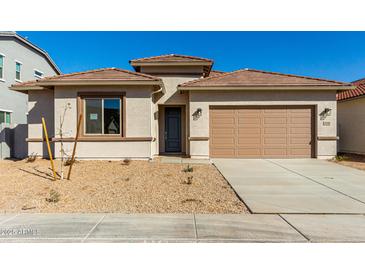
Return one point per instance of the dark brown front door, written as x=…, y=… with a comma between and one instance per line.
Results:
x=173, y=129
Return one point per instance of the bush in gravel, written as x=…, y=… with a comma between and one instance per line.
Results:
x=188, y=169
x=68, y=161
x=54, y=196
x=31, y=158
x=191, y=200
x=189, y=180
x=340, y=158
x=126, y=162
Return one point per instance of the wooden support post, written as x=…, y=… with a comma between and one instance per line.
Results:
x=74, y=149
x=49, y=148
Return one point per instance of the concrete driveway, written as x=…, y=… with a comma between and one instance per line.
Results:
x=295, y=185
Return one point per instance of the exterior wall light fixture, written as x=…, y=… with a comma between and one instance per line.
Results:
x=197, y=114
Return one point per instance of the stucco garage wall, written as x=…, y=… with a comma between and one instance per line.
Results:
x=321, y=99
x=138, y=123
x=351, y=123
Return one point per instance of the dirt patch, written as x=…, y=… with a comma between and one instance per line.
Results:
x=351, y=160
x=114, y=186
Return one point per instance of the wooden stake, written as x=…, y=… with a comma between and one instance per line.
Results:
x=49, y=148
x=74, y=149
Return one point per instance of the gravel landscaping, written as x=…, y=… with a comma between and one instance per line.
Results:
x=351, y=160
x=116, y=186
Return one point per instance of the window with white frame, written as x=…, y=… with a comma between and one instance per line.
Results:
x=2, y=57
x=18, y=67
x=38, y=73
x=102, y=116
x=5, y=117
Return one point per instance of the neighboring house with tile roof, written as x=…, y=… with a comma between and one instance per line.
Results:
x=176, y=104
x=20, y=60
x=351, y=118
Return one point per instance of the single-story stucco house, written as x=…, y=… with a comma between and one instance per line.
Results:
x=351, y=118
x=176, y=104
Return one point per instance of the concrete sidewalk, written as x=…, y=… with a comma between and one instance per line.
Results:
x=181, y=228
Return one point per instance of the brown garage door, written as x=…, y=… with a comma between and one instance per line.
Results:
x=261, y=132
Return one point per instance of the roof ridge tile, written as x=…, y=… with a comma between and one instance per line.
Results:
x=97, y=70
x=208, y=79
x=172, y=55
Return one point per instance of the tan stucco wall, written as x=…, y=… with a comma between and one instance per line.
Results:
x=317, y=98
x=171, y=76
x=172, y=97
x=178, y=70
x=40, y=104
x=351, y=125
x=138, y=122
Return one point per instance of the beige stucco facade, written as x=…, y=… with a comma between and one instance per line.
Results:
x=51, y=104
x=144, y=114
x=171, y=77
x=325, y=129
x=145, y=118
x=351, y=125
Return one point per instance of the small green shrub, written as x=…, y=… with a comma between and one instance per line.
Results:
x=54, y=196
x=340, y=158
x=188, y=169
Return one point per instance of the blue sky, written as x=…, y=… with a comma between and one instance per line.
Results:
x=331, y=55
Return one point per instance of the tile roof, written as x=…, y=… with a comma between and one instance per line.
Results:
x=104, y=74
x=216, y=73
x=171, y=58
x=258, y=78
x=352, y=93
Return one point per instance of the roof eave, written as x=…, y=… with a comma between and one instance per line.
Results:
x=25, y=89
x=98, y=82
x=192, y=63
x=269, y=87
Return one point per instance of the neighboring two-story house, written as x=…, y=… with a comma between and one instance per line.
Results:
x=20, y=60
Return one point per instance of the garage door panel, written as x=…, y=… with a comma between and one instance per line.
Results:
x=249, y=121
x=274, y=140
x=273, y=110
x=275, y=130
x=223, y=141
x=261, y=132
x=300, y=130
x=224, y=121
x=300, y=140
x=229, y=153
x=249, y=131
x=248, y=111
x=274, y=121
x=274, y=152
x=249, y=152
x=223, y=131
x=299, y=152
x=248, y=141
x=298, y=120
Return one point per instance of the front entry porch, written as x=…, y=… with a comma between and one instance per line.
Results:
x=172, y=130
